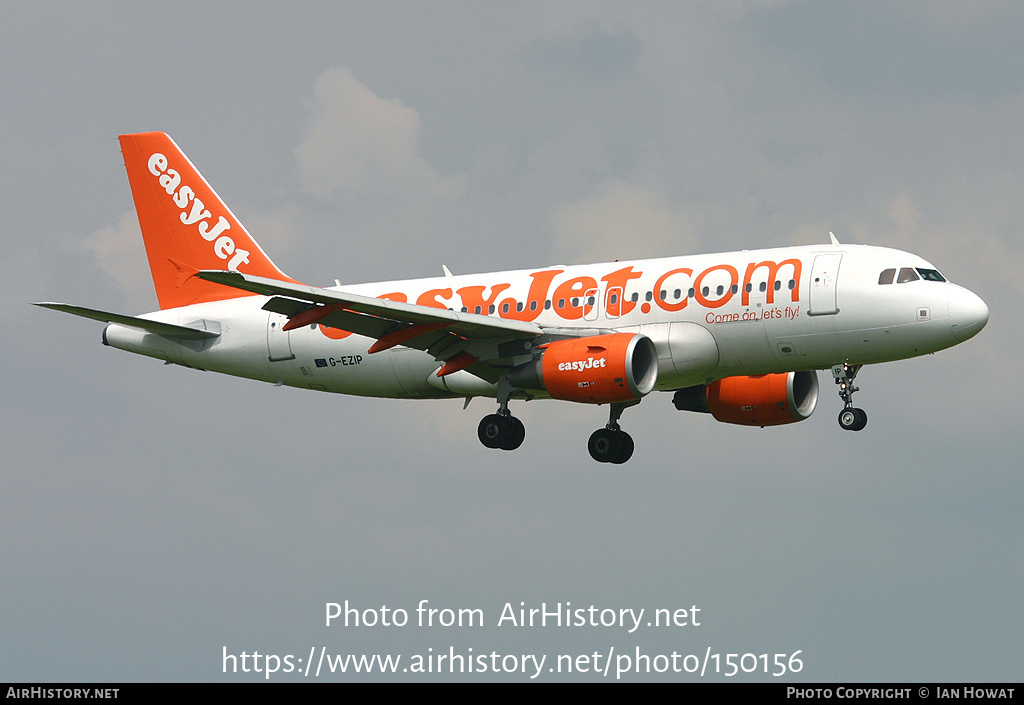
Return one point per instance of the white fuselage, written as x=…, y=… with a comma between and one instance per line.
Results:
x=710, y=316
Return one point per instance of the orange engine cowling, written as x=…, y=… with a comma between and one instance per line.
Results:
x=761, y=400
x=594, y=370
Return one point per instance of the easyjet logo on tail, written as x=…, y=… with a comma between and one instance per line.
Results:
x=194, y=212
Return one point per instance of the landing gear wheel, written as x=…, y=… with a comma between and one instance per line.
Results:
x=494, y=430
x=498, y=431
x=853, y=419
x=516, y=436
x=626, y=451
x=604, y=445
x=610, y=446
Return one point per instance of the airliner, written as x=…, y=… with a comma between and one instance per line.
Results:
x=738, y=335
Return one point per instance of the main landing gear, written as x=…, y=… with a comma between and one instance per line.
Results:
x=850, y=418
x=502, y=430
x=611, y=444
x=607, y=445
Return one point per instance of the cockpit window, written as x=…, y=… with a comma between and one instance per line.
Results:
x=930, y=275
x=907, y=274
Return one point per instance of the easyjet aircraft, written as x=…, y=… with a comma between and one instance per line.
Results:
x=739, y=334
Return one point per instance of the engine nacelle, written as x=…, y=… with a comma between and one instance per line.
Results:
x=594, y=370
x=761, y=400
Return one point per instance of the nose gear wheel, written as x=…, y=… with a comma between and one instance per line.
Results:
x=853, y=419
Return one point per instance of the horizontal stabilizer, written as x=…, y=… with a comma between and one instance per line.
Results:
x=168, y=330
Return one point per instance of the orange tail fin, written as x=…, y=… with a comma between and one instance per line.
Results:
x=185, y=225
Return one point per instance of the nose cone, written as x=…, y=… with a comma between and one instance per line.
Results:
x=968, y=314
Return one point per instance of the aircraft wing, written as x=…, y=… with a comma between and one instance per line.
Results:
x=469, y=341
x=471, y=325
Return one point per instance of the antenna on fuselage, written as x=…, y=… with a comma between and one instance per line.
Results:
x=834, y=241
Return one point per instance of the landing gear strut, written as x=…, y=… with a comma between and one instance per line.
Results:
x=611, y=444
x=502, y=430
x=850, y=418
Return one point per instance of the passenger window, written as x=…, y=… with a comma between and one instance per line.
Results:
x=886, y=276
x=907, y=274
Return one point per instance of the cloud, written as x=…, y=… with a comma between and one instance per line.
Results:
x=120, y=252
x=962, y=248
x=591, y=50
x=926, y=49
x=363, y=143
x=278, y=230
x=621, y=221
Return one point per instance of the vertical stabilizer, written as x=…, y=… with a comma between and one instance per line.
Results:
x=185, y=225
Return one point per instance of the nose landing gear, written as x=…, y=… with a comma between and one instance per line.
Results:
x=850, y=418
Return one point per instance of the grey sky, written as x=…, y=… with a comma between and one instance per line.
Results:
x=152, y=515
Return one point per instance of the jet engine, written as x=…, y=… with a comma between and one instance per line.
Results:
x=598, y=369
x=760, y=400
